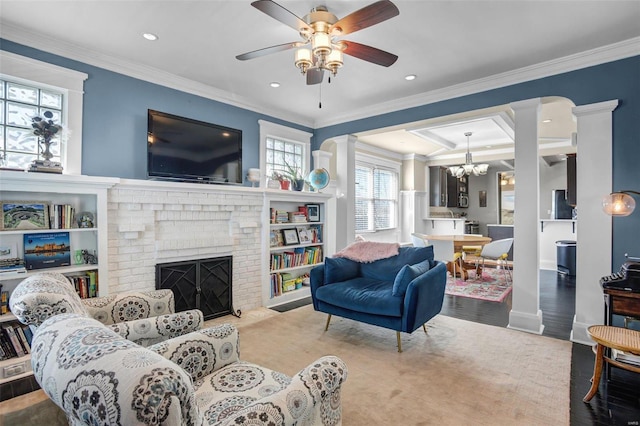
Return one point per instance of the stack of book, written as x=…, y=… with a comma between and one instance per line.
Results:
x=297, y=217
x=61, y=216
x=12, y=265
x=15, y=341
x=282, y=216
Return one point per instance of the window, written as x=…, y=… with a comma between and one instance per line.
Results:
x=18, y=104
x=376, y=198
x=281, y=154
x=280, y=144
x=50, y=81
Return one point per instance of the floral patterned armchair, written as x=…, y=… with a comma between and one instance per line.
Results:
x=98, y=377
x=145, y=317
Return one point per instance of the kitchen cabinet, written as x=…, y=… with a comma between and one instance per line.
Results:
x=446, y=190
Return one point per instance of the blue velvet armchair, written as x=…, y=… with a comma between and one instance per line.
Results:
x=401, y=292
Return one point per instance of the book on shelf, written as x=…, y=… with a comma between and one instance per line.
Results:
x=297, y=217
x=47, y=250
x=86, y=284
x=282, y=216
x=26, y=346
x=61, y=216
x=300, y=256
x=12, y=337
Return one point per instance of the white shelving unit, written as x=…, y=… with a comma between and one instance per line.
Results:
x=84, y=193
x=290, y=201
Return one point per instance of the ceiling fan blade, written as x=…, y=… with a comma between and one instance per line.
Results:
x=268, y=50
x=315, y=75
x=367, y=16
x=281, y=14
x=368, y=53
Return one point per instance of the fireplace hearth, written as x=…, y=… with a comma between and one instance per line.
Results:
x=204, y=284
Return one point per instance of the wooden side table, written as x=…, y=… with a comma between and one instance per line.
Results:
x=622, y=339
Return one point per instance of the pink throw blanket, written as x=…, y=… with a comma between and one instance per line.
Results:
x=368, y=251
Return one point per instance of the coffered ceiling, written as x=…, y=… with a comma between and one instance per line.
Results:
x=453, y=48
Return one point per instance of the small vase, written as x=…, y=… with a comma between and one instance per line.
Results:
x=297, y=185
x=284, y=184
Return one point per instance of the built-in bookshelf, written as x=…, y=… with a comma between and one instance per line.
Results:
x=295, y=242
x=61, y=226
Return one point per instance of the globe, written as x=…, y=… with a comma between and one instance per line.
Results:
x=318, y=179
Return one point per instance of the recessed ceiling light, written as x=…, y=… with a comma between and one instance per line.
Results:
x=410, y=77
x=150, y=37
x=488, y=146
x=548, y=120
x=274, y=84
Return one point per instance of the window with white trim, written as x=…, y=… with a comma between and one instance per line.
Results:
x=376, y=197
x=28, y=72
x=281, y=145
x=19, y=103
x=282, y=154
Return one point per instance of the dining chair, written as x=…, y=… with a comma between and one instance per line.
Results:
x=444, y=251
x=418, y=240
x=498, y=251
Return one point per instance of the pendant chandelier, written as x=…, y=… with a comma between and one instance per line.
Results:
x=468, y=167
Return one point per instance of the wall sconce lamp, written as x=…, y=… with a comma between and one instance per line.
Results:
x=619, y=203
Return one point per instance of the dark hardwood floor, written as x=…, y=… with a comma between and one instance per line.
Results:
x=618, y=399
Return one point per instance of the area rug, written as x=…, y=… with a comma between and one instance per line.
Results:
x=458, y=373
x=492, y=286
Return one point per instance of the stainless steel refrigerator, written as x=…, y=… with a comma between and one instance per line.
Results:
x=560, y=208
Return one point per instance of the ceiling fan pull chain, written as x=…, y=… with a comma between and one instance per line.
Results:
x=320, y=102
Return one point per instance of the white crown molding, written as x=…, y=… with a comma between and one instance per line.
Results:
x=600, y=55
x=141, y=72
x=616, y=51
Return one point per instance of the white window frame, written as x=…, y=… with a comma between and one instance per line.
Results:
x=70, y=83
x=288, y=134
x=375, y=162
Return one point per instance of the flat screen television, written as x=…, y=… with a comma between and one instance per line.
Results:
x=183, y=149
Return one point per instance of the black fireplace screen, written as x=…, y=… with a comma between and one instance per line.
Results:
x=203, y=284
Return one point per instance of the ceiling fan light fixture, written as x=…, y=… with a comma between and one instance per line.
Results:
x=303, y=59
x=335, y=59
x=321, y=44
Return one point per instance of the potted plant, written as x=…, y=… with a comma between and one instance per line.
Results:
x=295, y=175
x=280, y=177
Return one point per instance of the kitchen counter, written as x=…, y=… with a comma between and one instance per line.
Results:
x=444, y=225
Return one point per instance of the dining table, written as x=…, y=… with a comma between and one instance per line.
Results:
x=458, y=266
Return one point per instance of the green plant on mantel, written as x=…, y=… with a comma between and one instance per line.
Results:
x=292, y=173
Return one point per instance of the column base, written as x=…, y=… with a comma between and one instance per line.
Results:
x=523, y=321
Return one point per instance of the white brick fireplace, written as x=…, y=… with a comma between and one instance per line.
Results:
x=153, y=222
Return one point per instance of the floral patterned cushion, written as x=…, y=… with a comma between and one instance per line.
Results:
x=130, y=306
x=98, y=377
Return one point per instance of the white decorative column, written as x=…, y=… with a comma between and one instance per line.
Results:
x=594, y=177
x=525, y=312
x=321, y=159
x=345, y=193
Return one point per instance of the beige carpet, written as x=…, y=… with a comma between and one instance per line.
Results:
x=460, y=373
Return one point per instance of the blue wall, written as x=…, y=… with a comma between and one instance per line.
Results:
x=615, y=80
x=115, y=107
x=114, y=131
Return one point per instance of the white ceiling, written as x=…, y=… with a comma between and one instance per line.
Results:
x=445, y=43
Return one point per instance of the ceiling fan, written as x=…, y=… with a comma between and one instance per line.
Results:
x=320, y=30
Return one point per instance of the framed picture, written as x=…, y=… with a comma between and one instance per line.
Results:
x=313, y=212
x=275, y=238
x=24, y=215
x=483, y=198
x=290, y=236
x=305, y=235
